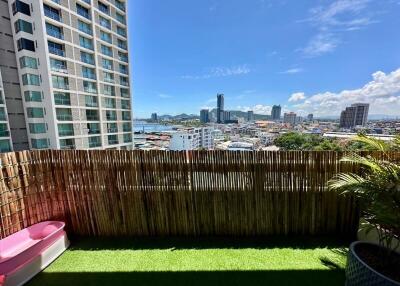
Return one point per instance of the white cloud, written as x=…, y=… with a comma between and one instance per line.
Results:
x=249, y=91
x=221, y=72
x=258, y=109
x=332, y=20
x=341, y=13
x=297, y=97
x=163, y=95
x=321, y=44
x=292, y=71
x=382, y=92
x=211, y=100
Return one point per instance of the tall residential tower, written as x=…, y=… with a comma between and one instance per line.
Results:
x=73, y=66
x=204, y=116
x=276, y=112
x=220, y=108
x=355, y=115
x=12, y=110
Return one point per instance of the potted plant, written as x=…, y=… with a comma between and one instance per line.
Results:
x=377, y=188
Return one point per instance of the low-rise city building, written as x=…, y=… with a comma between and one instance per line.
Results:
x=192, y=139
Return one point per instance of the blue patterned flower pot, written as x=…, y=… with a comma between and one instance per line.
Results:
x=358, y=273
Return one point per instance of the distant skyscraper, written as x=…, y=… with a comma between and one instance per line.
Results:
x=226, y=116
x=154, y=117
x=290, y=117
x=355, y=115
x=250, y=115
x=276, y=112
x=220, y=108
x=310, y=117
x=204, y=116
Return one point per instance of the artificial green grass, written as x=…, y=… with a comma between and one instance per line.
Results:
x=197, y=262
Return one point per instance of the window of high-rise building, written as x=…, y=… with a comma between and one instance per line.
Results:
x=121, y=31
x=88, y=72
x=4, y=132
x=40, y=143
x=56, y=48
x=35, y=96
x=109, y=102
x=64, y=114
x=37, y=128
x=92, y=115
x=87, y=58
x=104, y=22
x=28, y=62
x=93, y=128
x=62, y=98
x=125, y=104
x=82, y=11
x=120, y=5
x=54, y=31
x=106, y=50
x=30, y=79
x=60, y=82
x=94, y=142
x=91, y=101
x=103, y=7
x=65, y=129
x=52, y=13
x=107, y=64
x=112, y=139
x=106, y=37
x=111, y=115
x=67, y=143
x=25, y=44
x=85, y=42
x=89, y=87
x=3, y=116
x=124, y=92
x=58, y=65
x=108, y=77
x=21, y=7
x=85, y=27
x=108, y=90
x=24, y=26
x=35, y=112
x=120, y=18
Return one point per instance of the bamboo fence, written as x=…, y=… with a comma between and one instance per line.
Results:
x=158, y=193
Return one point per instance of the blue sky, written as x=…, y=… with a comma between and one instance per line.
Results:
x=309, y=56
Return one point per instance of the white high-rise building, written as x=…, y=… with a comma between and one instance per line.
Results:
x=290, y=117
x=192, y=139
x=5, y=136
x=73, y=68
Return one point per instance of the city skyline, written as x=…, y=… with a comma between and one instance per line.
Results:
x=315, y=57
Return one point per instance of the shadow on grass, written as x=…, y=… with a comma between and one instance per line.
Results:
x=194, y=278
x=104, y=243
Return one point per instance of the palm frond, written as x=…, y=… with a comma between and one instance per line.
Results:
x=368, y=162
x=377, y=144
x=347, y=182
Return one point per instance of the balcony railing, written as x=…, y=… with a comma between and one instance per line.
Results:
x=59, y=68
x=56, y=51
x=53, y=15
x=64, y=117
x=4, y=133
x=255, y=193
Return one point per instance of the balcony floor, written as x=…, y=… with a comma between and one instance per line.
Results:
x=198, y=262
